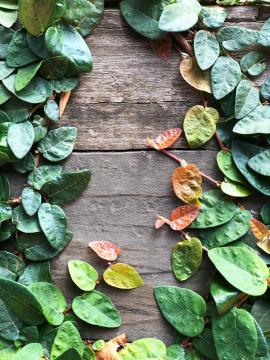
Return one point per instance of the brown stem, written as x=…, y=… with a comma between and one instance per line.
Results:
x=183, y=43
x=223, y=148
x=242, y=301
x=14, y=201
x=35, y=109
x=37, y=158
x=68, y=309
x=181, y=161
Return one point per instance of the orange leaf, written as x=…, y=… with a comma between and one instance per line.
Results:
x=260, y=231
x=105, y=250
x=187, y=182
x=109, y=351
x=165, y=139
x=160, y=222
x=64, y=98
x=162, y=47
x=183, y=216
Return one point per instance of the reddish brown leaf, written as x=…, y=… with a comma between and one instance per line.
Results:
x=165, y=139
x=160, y=222
x=109, y=351
x=260, y=231
x=162, y=47
x=187, y=182
x=183, y=216
x=64, y=98
x=105, y=250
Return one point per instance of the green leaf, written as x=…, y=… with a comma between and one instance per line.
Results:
x=224, y=295
x=242, y=268
x=265, y=89
x=5, y=212
x=11, y=266
x=227, y=166
x=262, y=348
x=180, y=16
x=98, y=345
x=70, y=354
x=143, y=17
x=264, y=37
x=261, y=313
x=25, y=75
x=213, y=17
x=7, y=17
x=20, y=138
x=186, y=258
x=58, y=143
x=235, y=38
x=6, y=36
x=51, y=300
x=200, y=125
x=37, y=247
x=36, y=272
x=83, y=274
x=21, y=301
x=52, y=111
x=175, y=352
x=253, y=63
x=36, y=92
x=222, y=235
x=19, y=54
x=64, y=85
x=265, y=213
x=84, y=15
x=43, y=174
x=235, y=334
x=53, y=222
x=97, y=309
x=216, y=209
x=25, y=223
x=88, y=354
x=6, y=230
x=24, y=165
x=4, y=188
x=247, y=98
x=225, y=76
x=66, y=187
x=66, y=41
x=5, y=95
x=36, y=44
x=204, y=344
x=40, y=128
x=182, y=308
x=147, y=349
x=206, y=48
x=31, y=201
x=256, y=122
x=55, y=68
x=122, y=276
x=235, y=189
x=10, y=325
x=242, y=152
x=67, y=337
x=36, y=15
x=5, y=70
x=30, y=352
x=260, y=163
x=28, y=334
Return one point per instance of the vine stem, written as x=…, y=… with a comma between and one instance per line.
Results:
x=181, y=161
x=183, y=43
x=223, y=148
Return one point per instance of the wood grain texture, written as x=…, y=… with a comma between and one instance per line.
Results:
x=131, y=93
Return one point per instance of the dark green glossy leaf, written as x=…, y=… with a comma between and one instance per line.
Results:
x=97, y=309
x=264, y=37
x=253, y=63
x=31, y=201
x=19, y=54
x=143, y=17
x=25, y=75
x=66, y=41
x=66, y=187
x=36, y=44
x=6, y=36
x=225, y=76
x=43, y=174
x=4, y=188
x=25, y=223
x=256, y=122
x=262, y=347
x=204, y=344
x=182, y=308
x=36, y=272
x=235, y=334
x=51, y=109
x=10, y=264
x=20, y=138
x=58, y=143
x=70, y=354
x=206, y=48
x=261, y=313
x=21, y=301
x=265, y=213
x=261, y=163
x=55, y=68
x=212, y=17
x=265, y=89
x=32, y=351
x=83, y=274
x=235, y=38
x=247, y=98
x=25, y=165
x=186, y=258
x=242, y=268
x=242, y=152
x=10, y=324
x=51, y=300
x=6, y=230
x=53, y=222
x=217, y=209
x=37, y=248
x=5, y=212
x=226, y=233
x=5, y=70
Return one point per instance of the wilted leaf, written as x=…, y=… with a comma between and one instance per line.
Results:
x=186, y=182
x=165, y=139
x=64, y=98
x=194, y=76
x=109, y=351
x=200, y=125
x=83, y=274
x=105, y=250
x=206, y=48
x=122, y=276
x=262, y=233
x=186, y=258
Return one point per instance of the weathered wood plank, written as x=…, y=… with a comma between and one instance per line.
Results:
x=131, y=92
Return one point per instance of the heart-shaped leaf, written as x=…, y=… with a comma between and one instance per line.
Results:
x=180, y=218
x=25, y=223
x=206, y=48
x=31, y=201
x=194, y=76
x=83, y=274
x=247, y=98
x=20, y=138
x=227, y=166
x=165, y=139
x=52, y=111
x=122, y=276
x=235, y=189
x=213, y=17
x=39, y=176
x=105, y=250
x=36, y=272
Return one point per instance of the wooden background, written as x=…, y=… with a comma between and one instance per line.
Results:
x=131, y=94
